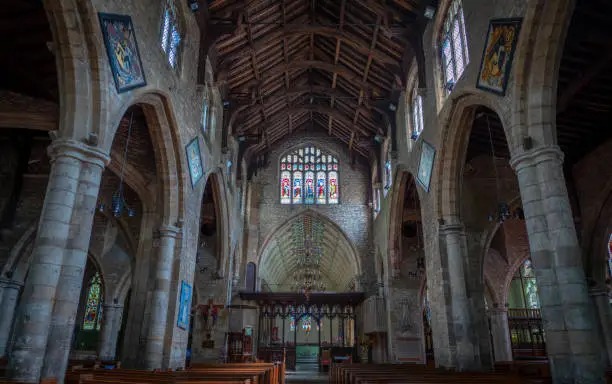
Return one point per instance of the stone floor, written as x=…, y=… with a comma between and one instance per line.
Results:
x=307, y=373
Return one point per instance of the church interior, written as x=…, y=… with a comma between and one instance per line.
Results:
x=292, y=191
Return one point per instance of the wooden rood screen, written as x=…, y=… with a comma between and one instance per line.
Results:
x=526, y=333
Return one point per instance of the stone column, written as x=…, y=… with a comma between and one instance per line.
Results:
x=111, y=324
x=461, y=340
x=500, y=333
x=68, y=293
x=571, y=333
x=10, y=297
x=603, y=311
x=55, y=231
x=159, y=303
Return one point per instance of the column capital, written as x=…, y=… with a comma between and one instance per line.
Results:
x=449, y=229
x=597, y=290
x=12, y=284
x=169, y=231
x=112, y=306
x=497, y=311
x=79, y=151
x=537, y=155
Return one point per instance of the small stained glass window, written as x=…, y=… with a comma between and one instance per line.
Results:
x=307, y=323
x=453, y=46
x=170, y=33
x=417, y=113
x=610, y=257
x=93, y=306
x=308, y=175
x=204, y=121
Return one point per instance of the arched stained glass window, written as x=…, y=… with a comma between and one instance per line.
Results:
x=523, y=289
x=309, y=176
x=417, y=113
x=93, y=306
x=453, y=46
x=426, y=308
x=610, y=257
x=170, y=33
x=292, y=324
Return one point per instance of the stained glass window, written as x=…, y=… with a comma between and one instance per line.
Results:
x=417, y=113
x=309, y=176
x=610, y=257
x=307, y=323
x=453, y=46
x=523, y=289
x=204, y=121
x=93, y=306
x=170, y=33
x=426, y=308
x=292, y=324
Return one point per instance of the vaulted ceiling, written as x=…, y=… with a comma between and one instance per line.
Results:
x=330, y=65
x=279, y=258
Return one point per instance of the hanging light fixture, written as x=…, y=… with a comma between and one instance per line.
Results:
x=118, y=203
x=503, y=211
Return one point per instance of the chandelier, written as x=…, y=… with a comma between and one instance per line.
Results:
x=118, y=204
x=307, y=275
x=503, y=211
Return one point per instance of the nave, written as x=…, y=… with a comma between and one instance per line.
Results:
x=271, y=191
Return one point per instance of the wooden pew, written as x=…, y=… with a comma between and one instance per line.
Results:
x=403, y=373
x=255, y=373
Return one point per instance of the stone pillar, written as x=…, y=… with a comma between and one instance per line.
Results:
x=461, y=339
x=571, y=333
x=111, y=324
x=10, y=298
x=603, y=310
x=68, y=293
x=500, y=334
x=55, y=231
x=159, y=303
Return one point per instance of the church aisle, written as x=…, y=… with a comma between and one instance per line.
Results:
x=307, y=373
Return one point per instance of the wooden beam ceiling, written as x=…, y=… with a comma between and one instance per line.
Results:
x=314, y=64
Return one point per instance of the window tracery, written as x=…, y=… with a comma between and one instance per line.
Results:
x=453, y=46
x=309, y=176
x=170, y=33
x=523, y=289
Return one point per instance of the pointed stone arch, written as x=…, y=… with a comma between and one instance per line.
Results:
x=267, y=252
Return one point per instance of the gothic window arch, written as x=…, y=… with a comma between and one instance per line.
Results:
x=205, y=117
x=93, y=304
x=453, y=46
x=170, y=34
x=523, y=288
x=309, y=175
x=387, y=173
x=610, y=257
x=416, y=113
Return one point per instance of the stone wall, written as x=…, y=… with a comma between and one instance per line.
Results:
x=352, y=214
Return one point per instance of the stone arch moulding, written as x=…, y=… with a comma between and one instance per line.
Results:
x=536, y=70
x=456, y=120
x=355, y=260
x=167, y=144
x=401, y=178
x=215, y=176
x=82, y=71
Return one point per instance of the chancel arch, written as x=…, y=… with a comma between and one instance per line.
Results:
x=308, y=237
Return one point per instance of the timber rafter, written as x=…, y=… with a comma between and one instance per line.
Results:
x=326, y=65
